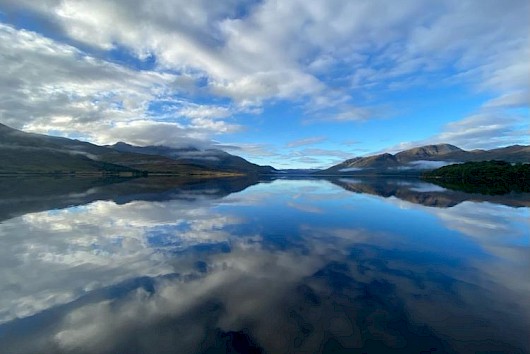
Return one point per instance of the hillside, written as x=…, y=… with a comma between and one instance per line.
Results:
x=34, y=160
x=23, y=153
x=208, y=158
x=428, y=152
x=417, y=160
x=491, y=177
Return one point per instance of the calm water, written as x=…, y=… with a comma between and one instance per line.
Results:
x=285, y=266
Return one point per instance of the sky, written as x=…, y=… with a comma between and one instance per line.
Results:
x=288, y=83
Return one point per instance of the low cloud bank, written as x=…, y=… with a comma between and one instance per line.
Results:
x=426, y=165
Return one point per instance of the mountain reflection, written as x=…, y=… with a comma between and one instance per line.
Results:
x=428, y=194
x=285, y=267
x=19, y=196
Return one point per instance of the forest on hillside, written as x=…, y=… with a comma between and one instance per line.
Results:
x=490, y=177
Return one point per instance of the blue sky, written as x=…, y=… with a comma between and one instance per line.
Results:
x=291, y=83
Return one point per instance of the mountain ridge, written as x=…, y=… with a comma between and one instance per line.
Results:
x=211, y=158
x=30, y=153
x=23, y=152
x=427, y=157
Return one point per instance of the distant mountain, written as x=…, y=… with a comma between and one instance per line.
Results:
x=297, y=171
x=428, y=152
x=415, y=161
x=208, y=158
x=22, y=152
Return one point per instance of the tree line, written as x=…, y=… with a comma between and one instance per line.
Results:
x=490, y=177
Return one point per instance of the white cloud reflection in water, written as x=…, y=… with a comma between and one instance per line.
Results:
x=177, y=276
x=62, y=254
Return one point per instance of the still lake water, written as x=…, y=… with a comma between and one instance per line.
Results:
x=284, y=266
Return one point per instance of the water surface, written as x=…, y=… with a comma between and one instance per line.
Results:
x=284, y=266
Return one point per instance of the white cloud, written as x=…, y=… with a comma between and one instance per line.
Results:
x=270, y=53
x=147, y=132
x=64, y=255
x=105, y=242
x=52, y=87
x=514, y=99
x=351, y=169
x=426, y=165
x=306, y=141
x=485, y=130
x=331, y=58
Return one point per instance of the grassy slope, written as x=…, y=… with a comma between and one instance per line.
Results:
x=22, y=152
x=23, y=160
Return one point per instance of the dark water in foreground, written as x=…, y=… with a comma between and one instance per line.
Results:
x=288, y=266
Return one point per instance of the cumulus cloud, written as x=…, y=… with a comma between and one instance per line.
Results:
x=331, y=58
x=241, y=46
x=485, y=130
x=56, y=84
x=147, y=132
x=53, y=87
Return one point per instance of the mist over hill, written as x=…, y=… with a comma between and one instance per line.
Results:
x=416, y=160
x=28, y=153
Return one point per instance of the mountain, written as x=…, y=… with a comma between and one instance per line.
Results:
x=208, y=158
x=416, y=160
x=22, y=153
x=428, y=152
x=297, y=171
x=513, y=153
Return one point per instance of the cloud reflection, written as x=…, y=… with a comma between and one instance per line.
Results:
x=62, y=254
x=178, y=276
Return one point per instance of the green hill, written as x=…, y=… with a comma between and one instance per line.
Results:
x=492, y=177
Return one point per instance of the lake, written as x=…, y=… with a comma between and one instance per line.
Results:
x=248, y=266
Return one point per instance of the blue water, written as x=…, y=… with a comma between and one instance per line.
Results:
x=288, y=266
